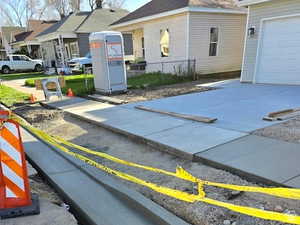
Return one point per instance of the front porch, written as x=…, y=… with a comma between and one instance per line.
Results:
x=58, y=51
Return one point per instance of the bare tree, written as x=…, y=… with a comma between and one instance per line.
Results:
x=19, y=12
x=14, y=10
x=115, y=3
x=62, y=7
x=106, y=3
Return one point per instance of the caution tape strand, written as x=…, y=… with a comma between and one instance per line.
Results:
x=180, y=173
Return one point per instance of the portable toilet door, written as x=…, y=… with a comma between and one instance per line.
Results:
x=107, y=51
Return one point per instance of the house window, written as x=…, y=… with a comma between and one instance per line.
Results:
x=164, y=42
x=74, y=50
x=143, y=46
x=214, y=38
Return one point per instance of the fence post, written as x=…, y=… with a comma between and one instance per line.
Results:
x=162, y=67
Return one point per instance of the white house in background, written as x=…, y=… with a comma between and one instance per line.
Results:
x=169, y=35
x=272, y=49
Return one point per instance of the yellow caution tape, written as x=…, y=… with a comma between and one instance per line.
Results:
x=181, y=174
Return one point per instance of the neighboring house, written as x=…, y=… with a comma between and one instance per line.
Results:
x=69, y=38
x=171, y=35
x=100, y=20
x=272, y=49
x=8, y=35
x=60, y=42
x=28, y=38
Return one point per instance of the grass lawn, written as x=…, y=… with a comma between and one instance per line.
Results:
x=155, y=80
x=18, y=76
x=77, y=82
x=9, y=96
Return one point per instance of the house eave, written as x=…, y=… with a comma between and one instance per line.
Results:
x=55, y=35
x=251, y=2
x=181, y=10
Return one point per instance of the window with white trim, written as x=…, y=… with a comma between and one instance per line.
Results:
x=164, y=42
x=213, y=43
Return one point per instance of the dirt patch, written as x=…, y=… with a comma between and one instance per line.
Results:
x=99, y=139
x=287, y=131
x=137, y=95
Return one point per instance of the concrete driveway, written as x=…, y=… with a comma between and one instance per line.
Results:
x=227, y=143
x=237, y=106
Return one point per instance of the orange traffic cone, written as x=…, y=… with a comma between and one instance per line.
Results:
x=70, y=93
x=15, y=197
x=32, y=98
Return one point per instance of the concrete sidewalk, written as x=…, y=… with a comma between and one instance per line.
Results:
x=228, y=143
x=19, y=85
x=94, y=197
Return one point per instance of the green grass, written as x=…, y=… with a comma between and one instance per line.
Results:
x=18, y=76
x=10, y=96
x=77, y=82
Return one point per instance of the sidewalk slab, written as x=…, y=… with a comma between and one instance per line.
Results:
x=38, y=152
x=267, y=158
x=294, y=182
x=96, y=197
x=194, y=138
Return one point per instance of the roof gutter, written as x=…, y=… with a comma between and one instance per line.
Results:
x=181, y=10
x=251, y=2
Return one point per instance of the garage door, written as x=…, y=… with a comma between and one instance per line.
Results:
x=279, y=56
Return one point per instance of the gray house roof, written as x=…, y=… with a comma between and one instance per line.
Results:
x=67, y=24
x=160, y=6
x=100, y=19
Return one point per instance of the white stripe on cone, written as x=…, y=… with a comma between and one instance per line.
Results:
x=10, y=150
x=13, y=177
x=12, y=128
x=9, y=193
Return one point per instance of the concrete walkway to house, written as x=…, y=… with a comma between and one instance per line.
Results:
x=227, y=143
x=19, y=85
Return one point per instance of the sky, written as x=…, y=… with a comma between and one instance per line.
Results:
x=134, y=4
x=131, y=5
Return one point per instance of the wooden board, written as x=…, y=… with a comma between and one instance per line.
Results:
x=38, y=83
x=179, y=115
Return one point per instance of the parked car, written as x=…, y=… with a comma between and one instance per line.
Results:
x=20, y=63
x=78, y=64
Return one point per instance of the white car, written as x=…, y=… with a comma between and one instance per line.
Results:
x=78, y=64
x=20, y=63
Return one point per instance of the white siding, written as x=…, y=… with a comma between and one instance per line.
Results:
x=230, y=45
x=137, y=36
x=256, y=14
x=177, y=26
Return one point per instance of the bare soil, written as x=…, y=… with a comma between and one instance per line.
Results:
x=137, y=95
x=100, y=139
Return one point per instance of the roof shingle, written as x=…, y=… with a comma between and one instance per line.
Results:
x=159, y=6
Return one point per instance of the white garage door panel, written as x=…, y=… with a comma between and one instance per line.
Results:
x=279, y=58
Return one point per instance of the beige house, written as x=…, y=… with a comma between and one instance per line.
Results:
x=272, y=49
x=174, y=35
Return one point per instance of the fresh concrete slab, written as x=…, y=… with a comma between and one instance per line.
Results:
x=267, y=158
x=294, y=182
x=98, y=199
x=195, y=137
x=237, y=106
